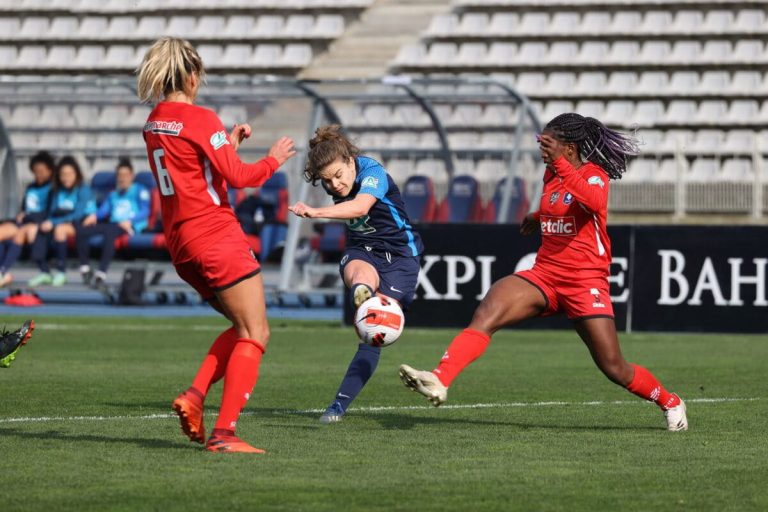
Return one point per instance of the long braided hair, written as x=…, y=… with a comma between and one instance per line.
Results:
x=597, y=143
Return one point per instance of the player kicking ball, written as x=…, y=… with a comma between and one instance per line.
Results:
x=12, y=341
x=571, y=271
x=382, y=250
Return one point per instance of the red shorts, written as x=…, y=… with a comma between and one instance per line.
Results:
x=578, y=297
x=220, y=266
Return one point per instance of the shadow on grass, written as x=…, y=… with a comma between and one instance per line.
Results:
x=49, y=435
x=390, y=420
x=399, y=421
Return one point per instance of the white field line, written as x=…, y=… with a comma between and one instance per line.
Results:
x=375, y=409
x=44, y=326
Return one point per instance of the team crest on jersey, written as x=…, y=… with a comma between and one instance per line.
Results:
x=370, y=182
x=596, y=180
x=553, y=197
x=567, y=198
x=219, y=139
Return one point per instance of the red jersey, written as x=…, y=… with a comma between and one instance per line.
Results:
x=192, y=160
x=573, y=215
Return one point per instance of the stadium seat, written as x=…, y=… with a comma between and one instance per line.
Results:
x=473, y=23
x=275, y=193
x=640, y=170
x=739, y=142
x=623, y=22
x=102, y=183
x=419, y=197
x=332, y=239
x=503, y=23
x=703, y=170
x=518, y=204
x=749, y=21
x=463, y=202
x=656, y=22
x=738, y=170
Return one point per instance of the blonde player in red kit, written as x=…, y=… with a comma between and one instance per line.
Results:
x=571, y=271
x=193, y=159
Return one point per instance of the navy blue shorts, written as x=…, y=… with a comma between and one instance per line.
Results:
x=398, y=275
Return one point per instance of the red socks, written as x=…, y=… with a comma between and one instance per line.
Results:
x=465, y=348
x=645, y=385
x=215, y=363
x=241, y=375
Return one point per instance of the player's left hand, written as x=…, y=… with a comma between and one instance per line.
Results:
x=551, y=148
x=302, y=210
x=46, y=226
x=529, y=225
x=239, y=133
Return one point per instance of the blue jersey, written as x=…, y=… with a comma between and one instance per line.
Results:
x=36, y=198
x=131, y=204
x=386, y=226
x=72, y=205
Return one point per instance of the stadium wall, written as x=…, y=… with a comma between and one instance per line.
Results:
x=663, y=278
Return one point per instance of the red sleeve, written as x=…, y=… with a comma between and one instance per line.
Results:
x=214, y=140
x=589, y=188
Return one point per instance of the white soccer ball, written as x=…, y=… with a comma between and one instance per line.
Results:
x=379, y=321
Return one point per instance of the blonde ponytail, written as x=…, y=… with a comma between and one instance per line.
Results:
x=166, y=68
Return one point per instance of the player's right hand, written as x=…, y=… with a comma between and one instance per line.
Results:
x=529, y=225
x=282, y=150
x=46, y=226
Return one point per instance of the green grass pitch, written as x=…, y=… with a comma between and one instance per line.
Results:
x=85, y=425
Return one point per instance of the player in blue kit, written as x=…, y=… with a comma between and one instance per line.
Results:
x=125, y=211
x=72, y=204
x=383, y=252
x=34, y=209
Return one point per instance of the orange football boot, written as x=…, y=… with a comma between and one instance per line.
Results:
x=190, y=411
x=230, y=444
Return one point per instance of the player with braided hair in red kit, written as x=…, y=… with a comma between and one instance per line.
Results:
x=571, y=271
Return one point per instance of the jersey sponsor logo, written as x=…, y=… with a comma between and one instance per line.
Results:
x=370, y=182
x=164, y=127
x=596, y=180
x=360, y=225
x=558, y=226
x=553, y=197
x=219, y=139
x=567, y=198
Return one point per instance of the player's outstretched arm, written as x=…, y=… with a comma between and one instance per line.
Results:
x=353, y=209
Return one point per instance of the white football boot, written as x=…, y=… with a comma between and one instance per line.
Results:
x=360, y=294
x=425, y=383
x=676, y=418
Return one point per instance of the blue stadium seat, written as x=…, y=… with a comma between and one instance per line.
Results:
x=102, y=183
x=419, y=197
x=518, y=204
x=332, y=240
x=463, y=203
x=147, y=179
x=275, y=193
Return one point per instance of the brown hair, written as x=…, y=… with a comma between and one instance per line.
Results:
x=70, y=161
x=328, y=144
x=166, y=68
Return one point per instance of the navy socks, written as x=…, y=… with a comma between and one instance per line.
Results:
x=360, y=370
